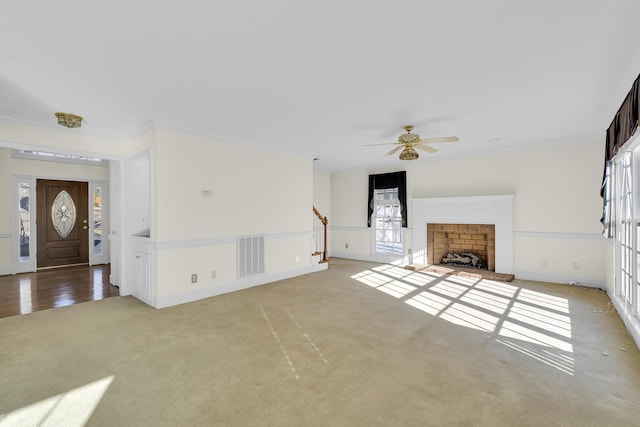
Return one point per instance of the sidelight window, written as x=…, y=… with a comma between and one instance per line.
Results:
x=97, y=219
x=23, y=233
x=24, y=216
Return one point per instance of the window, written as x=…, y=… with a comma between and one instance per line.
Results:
x=607, y=198
x=625, y=214
x=24, y=218
x=23, y=233
x=387, y=222
x=99, y=249
x=620, y=191
x=392, y=180
x=387, y=212
x=97, y=220
x=625, y=229
x=63, y=214
x=57, y=157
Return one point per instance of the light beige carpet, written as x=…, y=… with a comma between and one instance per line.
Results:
x=360, y=344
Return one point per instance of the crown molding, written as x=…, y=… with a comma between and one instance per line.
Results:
x=55, y=127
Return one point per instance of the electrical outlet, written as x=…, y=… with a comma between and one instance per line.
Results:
x=346, y=246
x=194, y=278
x=576, y=266
x=297, y=259
x=409, y=251
x=545, y=263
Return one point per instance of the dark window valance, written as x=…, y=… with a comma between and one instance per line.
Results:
x=625, y=122
x=622, y=128
x=389, y=180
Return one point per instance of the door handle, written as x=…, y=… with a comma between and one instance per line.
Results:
x=84, y=227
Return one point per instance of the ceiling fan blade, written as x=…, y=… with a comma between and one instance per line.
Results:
x=395, y=150
x=425, y=148
x=441, y=139
x=386, y=143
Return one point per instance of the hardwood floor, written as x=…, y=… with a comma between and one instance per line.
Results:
x=29, y=292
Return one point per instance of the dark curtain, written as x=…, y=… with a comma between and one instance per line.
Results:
x=623, y=126
x=384, y=181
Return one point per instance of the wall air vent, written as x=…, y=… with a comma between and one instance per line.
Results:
x=250, y=256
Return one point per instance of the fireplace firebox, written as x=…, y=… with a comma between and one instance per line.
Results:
x=468, y=240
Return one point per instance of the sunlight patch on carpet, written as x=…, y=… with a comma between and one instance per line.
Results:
x=69, y=409
x=532, y=323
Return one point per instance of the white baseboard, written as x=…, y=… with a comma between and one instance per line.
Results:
x=560, y=279
x=163, y=302
x=371, y=258
x=628, y=318
x=5, y=271
x=524, y=275
x=348, y=255
x=139, y=297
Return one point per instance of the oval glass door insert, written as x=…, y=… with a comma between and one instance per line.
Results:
x=63, y=214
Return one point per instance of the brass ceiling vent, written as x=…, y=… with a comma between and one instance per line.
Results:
x=69, y=120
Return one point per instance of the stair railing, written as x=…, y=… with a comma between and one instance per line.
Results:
x=320, y=234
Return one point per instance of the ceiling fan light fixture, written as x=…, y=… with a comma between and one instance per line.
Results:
x=69, y=120
x=409, y=154
x=408, y=142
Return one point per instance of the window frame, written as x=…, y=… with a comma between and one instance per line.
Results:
x=387, y=203
x=23, y=264
x=105, y=254
x=625, y=214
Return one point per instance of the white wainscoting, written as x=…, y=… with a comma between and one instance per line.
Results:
x=182, y=252
x=236, y=285
x=8, y=269
x=359, y=240
x=561, y=250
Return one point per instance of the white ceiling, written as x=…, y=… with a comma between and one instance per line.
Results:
x=323, y=78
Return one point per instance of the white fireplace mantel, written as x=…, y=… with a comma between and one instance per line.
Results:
x=497, y=210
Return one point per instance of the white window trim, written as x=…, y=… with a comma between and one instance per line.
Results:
x=105, y=256
x=385, y=256
x=49, y=156
x=628, y=308
x=19, y=266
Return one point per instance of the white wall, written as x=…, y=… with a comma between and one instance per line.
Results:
x=253, y=192
x=10, y=166
x=5, y=212
x=557, y=206
x=322, y=199
x=139, y=196
x=322, y=192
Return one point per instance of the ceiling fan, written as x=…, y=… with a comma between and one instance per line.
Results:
x=408, y=142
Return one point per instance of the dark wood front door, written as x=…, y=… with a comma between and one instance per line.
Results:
x=62, y=223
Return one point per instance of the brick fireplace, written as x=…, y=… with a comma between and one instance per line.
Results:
x=474, y=216
x=478, y=239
